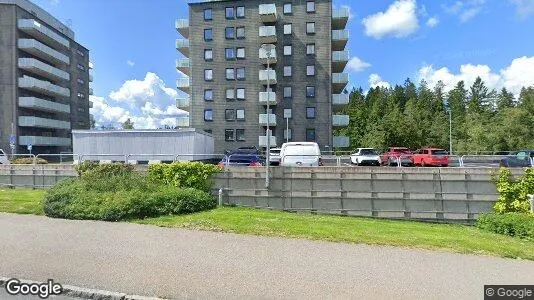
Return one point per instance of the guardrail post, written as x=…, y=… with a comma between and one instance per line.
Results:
x=399, y=162
x=462, y=161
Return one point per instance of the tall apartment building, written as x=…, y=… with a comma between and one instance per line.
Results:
x=44, y=80
x=242, y=56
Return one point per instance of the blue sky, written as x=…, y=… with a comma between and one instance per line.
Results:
x=132, y=47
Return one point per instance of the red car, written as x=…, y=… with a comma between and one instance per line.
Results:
x=392, y=156
x=431, y=157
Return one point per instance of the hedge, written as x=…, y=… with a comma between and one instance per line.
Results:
x=513, y=224
x=184, y=174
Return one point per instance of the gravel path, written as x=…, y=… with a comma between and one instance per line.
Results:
x=183, y=264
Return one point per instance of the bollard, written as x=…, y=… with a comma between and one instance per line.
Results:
x=531, y=199
x=220, y=197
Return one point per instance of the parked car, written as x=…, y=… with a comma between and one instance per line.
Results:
x=521, y=159
x=274, y=156
x=244, y=156
x=3, y=158
x=431, y=157
x=300, y=154
x=391, y=157
x=365, y=156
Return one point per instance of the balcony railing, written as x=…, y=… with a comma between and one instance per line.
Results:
x=91, y=78
x=340, y=17
x=341, y=141
x=43, y=87
x=43, y=33
x=339, y=60
x=183, y=85
x=44, y=141
x=264, y=118
x=267, y=97
x=267, y=34
x=340, y=99
x=25, y=121
x=182, y=45
x=267, y=76
x=182, y=103
x=43, y=51
x=182, y=121
x=182, y=26
x=40, y=68
x=339, y=39
x=339, y=82
x=43, y=105
x=340, y=120
x=268, y=55
x=91, y=92
x=262, y=141
x=184, y=65
x=267, y=13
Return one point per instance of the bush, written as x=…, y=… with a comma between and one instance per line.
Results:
x=513, y=224
x=28, y=161
x=89, y=168
x=513, y=192
x=184, y=174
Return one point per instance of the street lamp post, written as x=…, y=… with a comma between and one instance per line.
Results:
x=449, y=110
x=267, y=151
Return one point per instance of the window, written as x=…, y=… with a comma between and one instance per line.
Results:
x=208, y=14
x=240, y=114
x=287, y=113
x=80, y=81
x=81, y=95
x=240, y=32
x=240, y=53
x=310, y=134
x=229, y=135
x=310, y=70
x=287, y=29
x=288, y=92
x=287, y=134
x=208, y=34
x=230, y=13
x=81, y=109
x=310, y=6
x=229, y=114
x=240, y=73
x=310, y=91
x=80, y=67
x=230, y=74
x=310, y=49
x=240, y=94
x=208, y=131
x=310, y=28
x=229, y=33
x=208, y=74
x=240, y=11
x=230, y=53
x=208, y=95
x=287, y=71
x=80, y=52
x=288, y=9
x=310, y=112
x=240, y=135
x=208, y=54
x=230, y=94
x=287, y=50
x=208, y=115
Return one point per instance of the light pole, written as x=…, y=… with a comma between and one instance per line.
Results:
x=267, y=49
x=449, y=110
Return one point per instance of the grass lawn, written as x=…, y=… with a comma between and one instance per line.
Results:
x=21, y=201
x=456, y=238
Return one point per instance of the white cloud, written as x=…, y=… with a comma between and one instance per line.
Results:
x=130, y=63
x=466, y=9
x=376, y=81
x=399, y=20
x=524, y=8
x=355, y=64
x=520, y=73
x=432, y=22
x=148, y=103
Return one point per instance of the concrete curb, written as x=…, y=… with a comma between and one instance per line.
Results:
x=84, y=293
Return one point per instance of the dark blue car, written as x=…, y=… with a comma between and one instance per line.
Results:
x=521, y=159
x=244, y=156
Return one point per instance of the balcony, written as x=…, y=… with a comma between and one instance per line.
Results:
x=25, y=121
x=267, y=34
x=91, y=91
x=340, y=120
x=184, y=65
x=90, y=104
x=263, y=119
x=182, y=45
x=339, y=39
x=340, y=99
x=267, y=13
x=183, y=85
x=43, y=87
x=339, y=61
x=182, y=103
x=267, y=76
x=42, y=33
x=43, y=105
x=339, y=82
x=267, y=55
x=341, y=141
x=35, y=66
x=262, y=141
x=91, y=65
x=43, y=51
x=267, y=97
x=182, y=121
x=182, y=26
x=44, y=141
x=91, y=78
x=340, y=17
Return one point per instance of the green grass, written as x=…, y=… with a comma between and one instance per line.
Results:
x=456, y=238
x=21, y=201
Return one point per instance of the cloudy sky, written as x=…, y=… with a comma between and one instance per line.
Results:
x=132, y=48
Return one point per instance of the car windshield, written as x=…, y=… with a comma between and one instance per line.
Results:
x=301, y=150
x=275, y=151
x=368, y=152
x=244, y=151
x=439, y=152
x=402, y=150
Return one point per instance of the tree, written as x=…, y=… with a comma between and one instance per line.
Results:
x=505, y=99
x=128, y=124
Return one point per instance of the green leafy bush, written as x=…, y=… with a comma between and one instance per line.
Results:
x=513, y=192
x=184, y=174
x=513, y=224
x=88, y=167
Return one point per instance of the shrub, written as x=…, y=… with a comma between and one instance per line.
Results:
x=184, y=174
x=513, y=224
x=28, y=161
x=88, y=168
x=513, y=192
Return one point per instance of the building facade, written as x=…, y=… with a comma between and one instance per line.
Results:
x=44, y=80
x=255, y=65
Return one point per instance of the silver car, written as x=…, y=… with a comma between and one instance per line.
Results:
x=300, y=154
x=365, y=156
x=3, y=158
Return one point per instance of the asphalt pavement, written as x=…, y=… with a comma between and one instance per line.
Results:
x=182, y=264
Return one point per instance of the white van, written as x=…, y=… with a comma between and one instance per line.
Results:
x=3, y=158
x=300, y=154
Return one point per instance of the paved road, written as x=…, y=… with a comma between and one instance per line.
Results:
x=5, y=295
x=175, y=263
